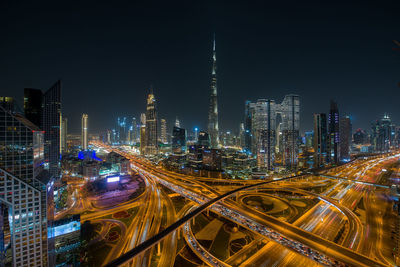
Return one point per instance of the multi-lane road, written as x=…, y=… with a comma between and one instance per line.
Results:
x=335, y=226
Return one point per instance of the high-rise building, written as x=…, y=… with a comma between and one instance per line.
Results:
x=241, y=135
x=177, y=123
x=360, y=137
x=7, y=103
x=64, y=132
x=142, y=134
x=383, y=134
x=333, y=131
x=84, y=132
x=290, y=113
x=309, y=139
x=21, y=165
x=163, y=131
x=213, y=108
x=264, y=132
x=51, y=125
x=33, y=99
x=151, y=148
x=320, y=139
x=281, y=123
x=122, y=130
x=178, y=140
x=249, y=111
x=134, y=131
x=204, y=139
x=345, y=131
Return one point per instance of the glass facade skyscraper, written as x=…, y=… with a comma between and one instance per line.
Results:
x=178, y=140
x=33, y=99
x=23, y=188
x=51, y=125
x=320, y=139
x=151, y=147
x=333, y=130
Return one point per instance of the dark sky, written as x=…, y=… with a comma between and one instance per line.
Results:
x=108, y=54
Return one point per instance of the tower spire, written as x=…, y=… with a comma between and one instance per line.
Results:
x=213, y=108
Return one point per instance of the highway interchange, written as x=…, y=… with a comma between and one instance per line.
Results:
x=344, y=226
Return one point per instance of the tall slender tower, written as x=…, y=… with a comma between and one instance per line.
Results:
x=84, y=134
x=213, y=109
x=51, y=125
x=333, y=129
x=151, y=148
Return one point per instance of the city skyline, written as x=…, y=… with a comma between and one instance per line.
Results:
x=255, y=61
x=218, y=133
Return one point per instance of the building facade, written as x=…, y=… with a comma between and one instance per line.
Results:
x=345, y=132
x=320, y=140
x=151, y=147
x=84, y=131
x=333, y=131
x=178, y=141
x=51, y=125
x=33, y=99
x=23, y=188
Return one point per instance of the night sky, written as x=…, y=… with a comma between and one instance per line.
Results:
x=108, y=54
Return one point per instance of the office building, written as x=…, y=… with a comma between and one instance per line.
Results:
x=21, y=165
x=151, y=148
x=309, y=139
x=213, y=130
x=142, y=133
x=320, y=140
x=264, y=127
x=290, y=113
x=204, y=139
x=333, y=131
x=360, y=137
x=382, y=134
x=33, y=99
x=51, y=125
x=212, y=159
x=178, y=141
x=64, y=133
x=163, y=138
x=84, y=132
x=177, y=123
x=345, y=131
x=8, y=103
x=249, y=113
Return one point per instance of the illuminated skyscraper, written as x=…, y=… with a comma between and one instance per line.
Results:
x=383, y=134
x=264, y=126
x=213, y=109
x=64, y=132
x=345, y=138
x=51, y=125
x=151, y=148
x=33, y=99
x=163, y=138
x=177, y=123
x=134, y=131
x=204, y=139
x=333, y=130
x=290, y=113
x=23, y=189
x=320, y=139
x=178, y=140
x=248, y=129
x=84, y=133
x=142, y=134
